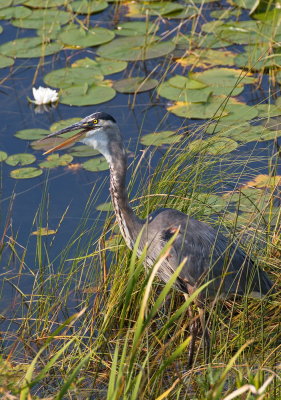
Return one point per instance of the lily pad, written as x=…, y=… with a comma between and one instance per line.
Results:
x=88, y=7
x=136, y=28
x=205, y=58
x=31, y=134
x=29, y=47
x=159, y=138
x=67, y=77
x=54, y=160
x=214, y=146
x=96, y=164
x=180, y=88
x=20, y=159
x=223, y=78
x=64, y=123
x=83, y=151
x=6, y=61
x=3, y=156
x=105, y=207
x=87, y=95
x=267, y=110
x=210, y=109
x=135, y=85
x=258, y=57
x=44, y=232
x=43, y=18
x=75, y=36
x=48, y=32
x=26, y=173
x=135, y=48
x=44, y=3
x=14, y=12
x=104, y=66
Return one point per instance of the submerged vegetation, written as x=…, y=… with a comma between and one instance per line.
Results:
x=87, y=322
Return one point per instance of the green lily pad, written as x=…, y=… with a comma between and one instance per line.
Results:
x=3, y=156
x=135, y=48
x=223, y=78
x=248, y=4
x=161, y=7
x=105, y=207
x=67, y=77
x=20, y=159
x=48, y=32
x=31, y=134
x=54, y=160
x=26, y=173
x=44, y=231
x=83, y=151
x=42, y=18
x=204, y=58
x=87, y=95
x=88, y=7
x=258, y=57
x=214, y=146
x=6, y=61
x=180, y=88
x=159, y=138
x=79, y=37
x=29, y=47
x=136, y=28
x=44, y=3
x=210, y=109
x=15, y=12
x=96, y=164
x=267, y=110
x=135, y=85
x=240, y=112
x=210, y=41
x=103, y=65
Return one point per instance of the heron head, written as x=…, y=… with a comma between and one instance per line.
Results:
x=96, y=130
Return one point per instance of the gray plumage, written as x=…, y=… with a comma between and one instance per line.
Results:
x=209, y=254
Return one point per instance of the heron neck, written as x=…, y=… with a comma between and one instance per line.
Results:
x=130, y=225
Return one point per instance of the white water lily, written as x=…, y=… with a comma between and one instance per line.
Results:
x=44, y=96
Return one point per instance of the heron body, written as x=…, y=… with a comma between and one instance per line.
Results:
x=208, y=254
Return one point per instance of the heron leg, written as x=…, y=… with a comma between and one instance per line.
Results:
x=193, y=327
x=205, y=334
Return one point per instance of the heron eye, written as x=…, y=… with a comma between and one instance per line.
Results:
x=95, y=121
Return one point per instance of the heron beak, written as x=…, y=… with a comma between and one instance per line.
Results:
x=73, y=139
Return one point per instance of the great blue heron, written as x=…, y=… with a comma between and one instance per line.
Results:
x=207, y=254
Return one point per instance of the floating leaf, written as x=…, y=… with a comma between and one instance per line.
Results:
x=135, y=85
x=49, y=143
x=264, y=181
x=258, y=57
x=205, y=58
x=210, y=109
x=26, y=173
x=104, y=66
x=159, y=138
x=6, y=61
x=83, y=151
x=44, y=3
x=267, y=110
x=214, y=146
x=86, y=96
x=15, y=12
x=136, y=28
x=66, y=77
x=3, y=156
x=75, y=36
x=31, y=134
x=64, y=123
x=49, y=32
x=96, y=164
x=44, y=232
x=223, y=78
x=20, y=159
x=185, y=89
x=135, y=48
x=88, y=7
x=29, y=47
x=105, y=207
x=43, y=18
x=54, y=160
